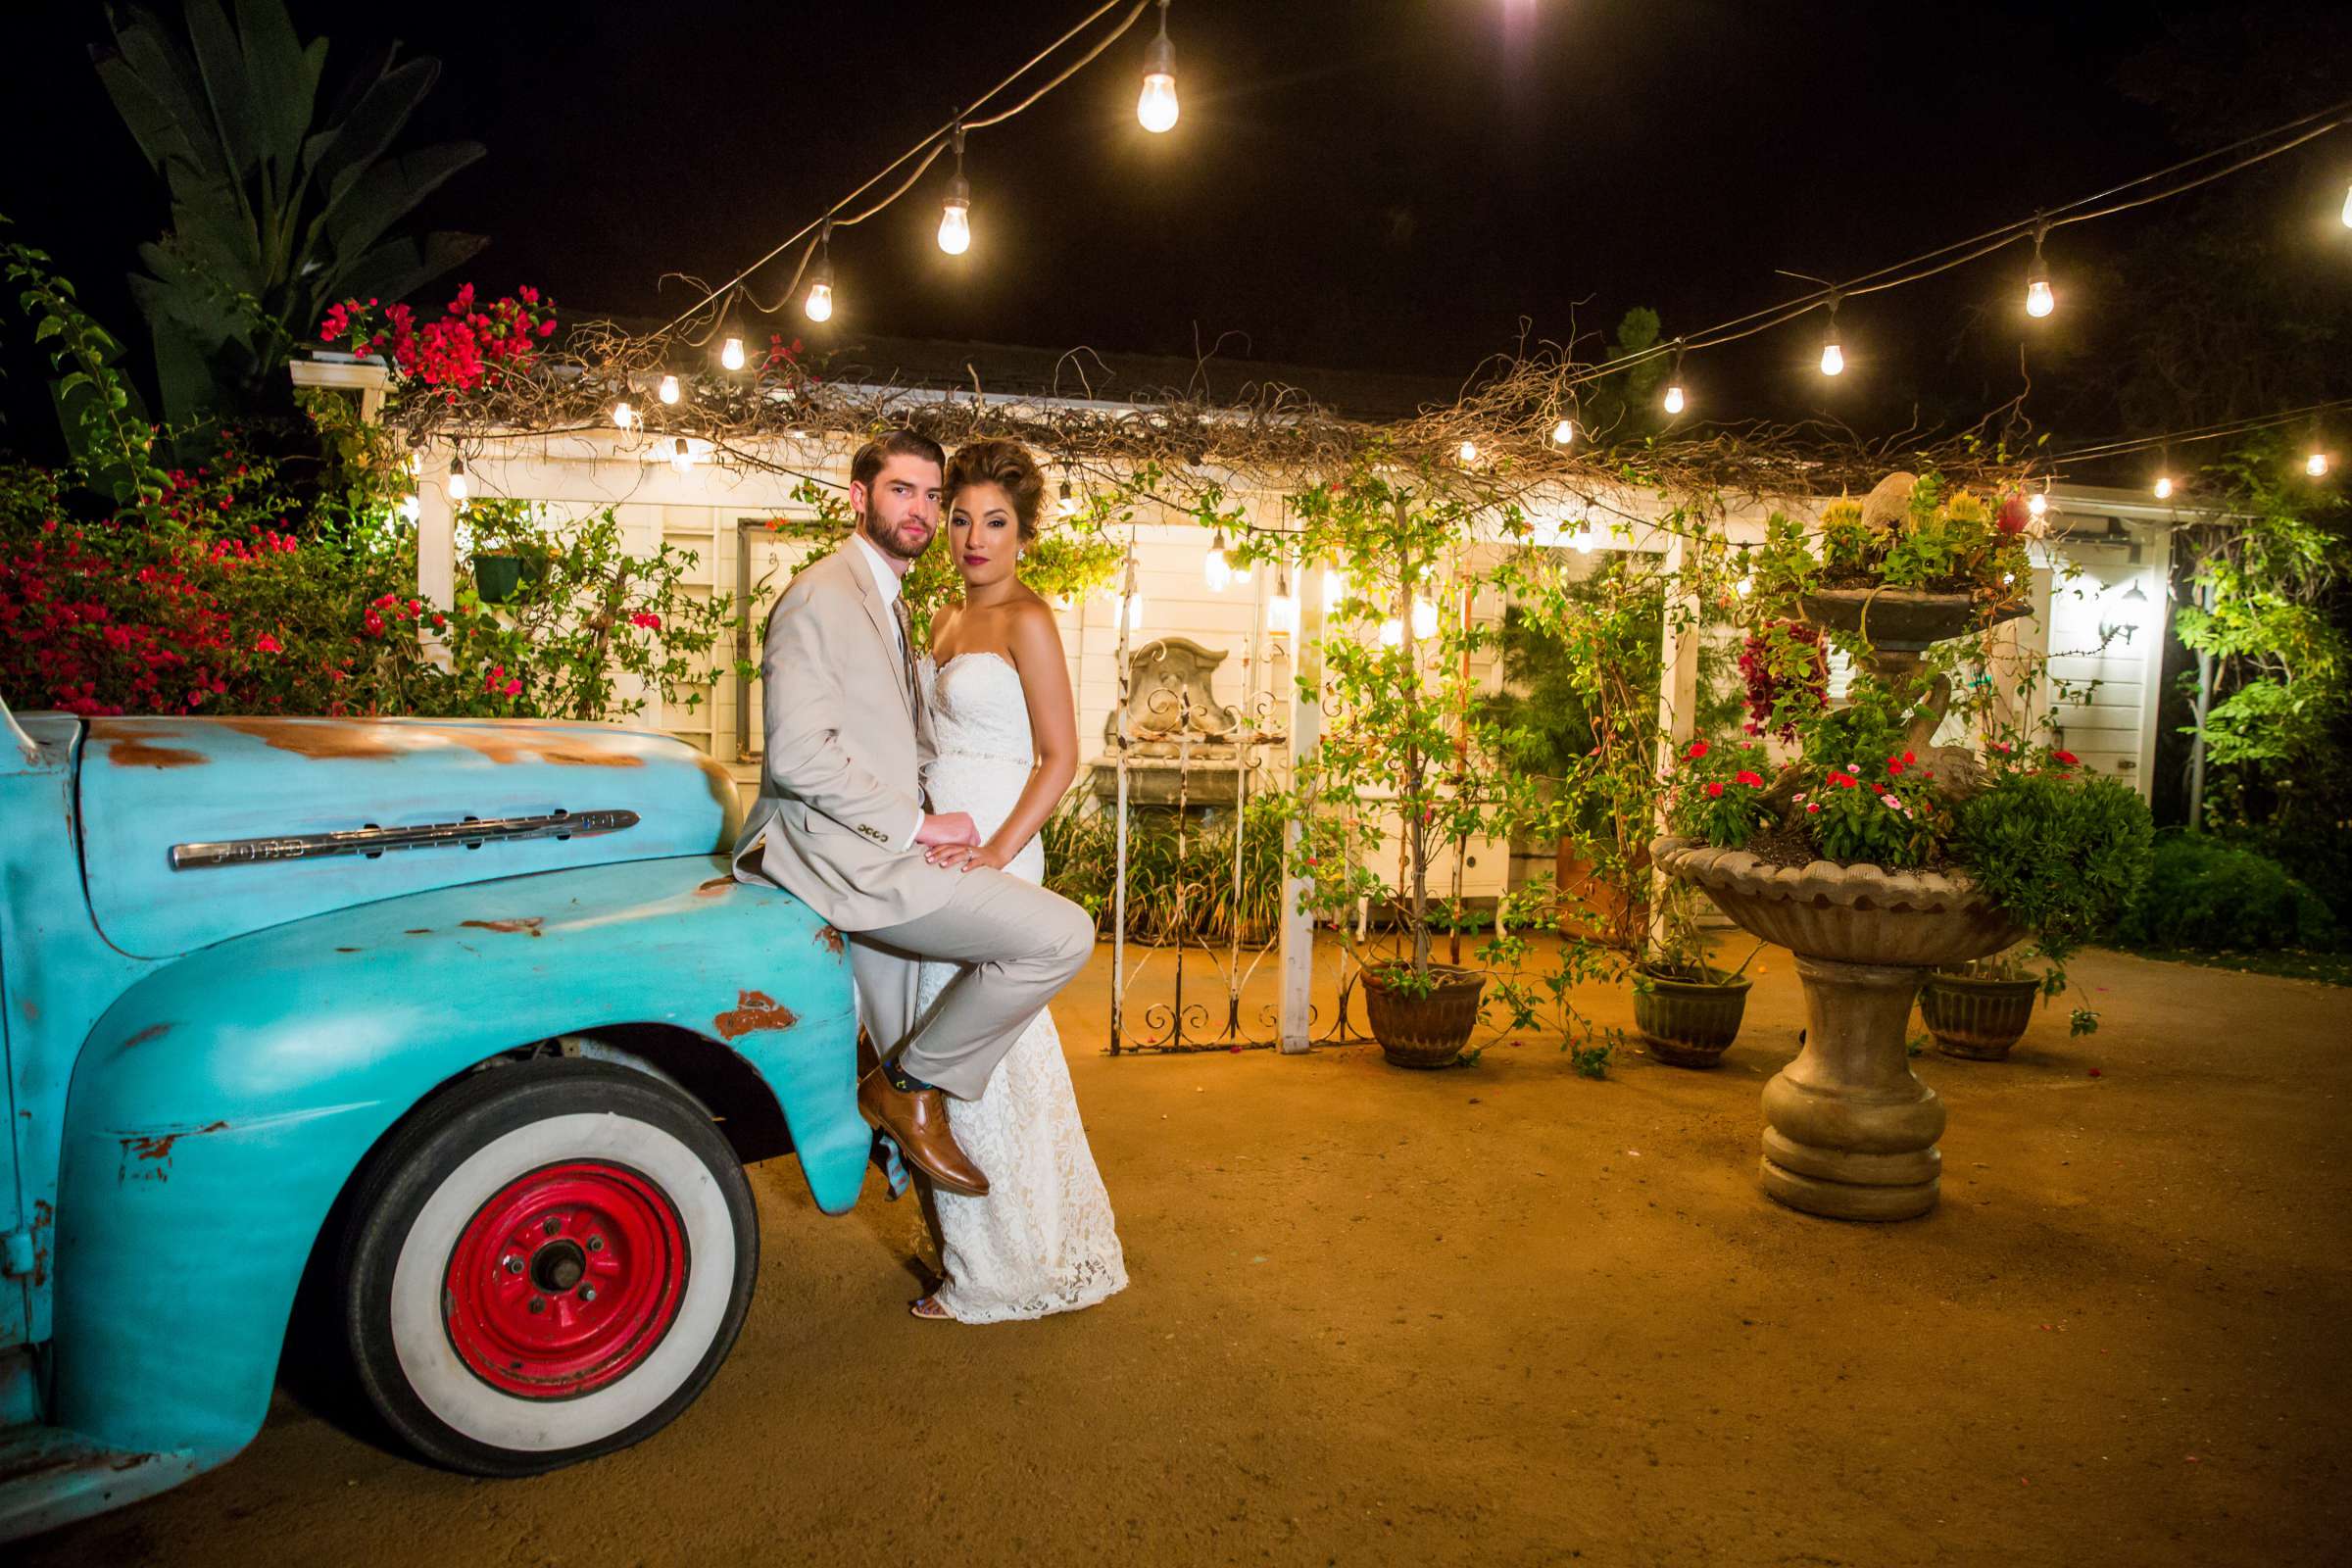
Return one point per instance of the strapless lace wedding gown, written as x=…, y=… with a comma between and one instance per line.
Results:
x=1043, y=1239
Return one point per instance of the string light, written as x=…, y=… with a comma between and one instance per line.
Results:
x=1219, y=571
x=1832, y=353
x=457, y=490
x=623, y=415
x=730, y=352
x=955, y=216
x=2164, y=487
x=1586, y=539
x=1563, y=433
x=1748, y=576
x=2037, y=503
x=1334, y=590
x=819, y=306
x=681, y=456
x=1424, y=620
x=2316, y=465
x=2040, y=301
x=1392, y=633
x=1155, y=109
x=1675, y=400
x=1067, y=506
x=669, y=389
x=1282, y=610
x=1469, y=452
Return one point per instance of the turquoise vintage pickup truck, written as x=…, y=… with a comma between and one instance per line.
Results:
x=463, y=1027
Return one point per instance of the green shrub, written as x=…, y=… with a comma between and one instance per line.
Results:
x=2066, y=857
x=2212, y=896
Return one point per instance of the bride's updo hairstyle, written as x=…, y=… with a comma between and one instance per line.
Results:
x=1006, y=464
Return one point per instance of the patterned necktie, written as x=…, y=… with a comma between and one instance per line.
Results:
x=914, y=686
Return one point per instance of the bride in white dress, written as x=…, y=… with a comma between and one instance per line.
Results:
x=1005, y=732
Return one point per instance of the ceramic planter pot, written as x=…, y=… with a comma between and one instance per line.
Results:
x=1850, y=1130
x=1976, y=1019
x=1686, y=1022
x=1424, y=1031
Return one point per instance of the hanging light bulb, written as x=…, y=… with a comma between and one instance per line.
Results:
x=2164, y=487
x=622, y=415
x=1067, y=506
x=1155, y=109
x=2348, y=209
x=819, y=306
x=1424, y=620
x=457, y=490
x=1469, y=452
x=681, y=456
x=1676, y=402
x=2037, y=503
x=1748, y=576
x=1219, y=571
x=1563, y=433
x=2316, y=465
x=731, y=354
x=955, y=215
x=1392, y=633
x=669, y=389
x=1282, y=610
x=2040, y=301
x=1335, y=589
x=1832, y=353
x=1586, y=539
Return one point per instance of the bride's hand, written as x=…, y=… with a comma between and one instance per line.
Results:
x=968, y=857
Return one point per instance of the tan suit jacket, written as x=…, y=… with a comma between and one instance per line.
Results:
x=840, y=775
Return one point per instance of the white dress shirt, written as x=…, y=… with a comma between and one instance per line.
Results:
x=887, y=584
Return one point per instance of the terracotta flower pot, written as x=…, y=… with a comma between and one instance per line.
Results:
x=1977, y=1019
x=1850, y=1130
x=1686, y=1022
x=1424, y=1031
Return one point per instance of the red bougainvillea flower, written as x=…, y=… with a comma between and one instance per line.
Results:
x=498, y=673
x=511, y=687
x=1909, y=759
x=373, y=621
x=1754, y=781
x=2015, y=514
x=646, y=618
x=1715, y=790
x=2068, y=757
x=1698, y=748
x=266, y=644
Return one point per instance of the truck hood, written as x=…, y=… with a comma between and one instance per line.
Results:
x=256, y=793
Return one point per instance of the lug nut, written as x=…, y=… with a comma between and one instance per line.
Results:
x=587, y=1293
x=538, y=1304
x=595, y=1243
x=511, y=1263
x=553, y=1225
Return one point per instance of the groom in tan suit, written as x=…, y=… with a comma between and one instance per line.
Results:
x=841, y=822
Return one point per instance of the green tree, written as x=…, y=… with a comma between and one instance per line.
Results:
x=278, y=208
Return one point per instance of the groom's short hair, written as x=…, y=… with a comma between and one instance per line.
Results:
x=899, y=443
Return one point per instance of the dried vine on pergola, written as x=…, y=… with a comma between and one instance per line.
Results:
x=1271, y=437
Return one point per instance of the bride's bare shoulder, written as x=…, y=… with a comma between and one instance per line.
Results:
x=1029, y=620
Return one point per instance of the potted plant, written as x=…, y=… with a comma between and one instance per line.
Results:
x=509, y=552
x=1407, y=757
x=1686, y=1009
x=1981, y=1010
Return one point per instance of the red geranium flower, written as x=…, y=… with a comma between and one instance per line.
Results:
x=1698, y=748
x=1715, y=790
x=1754, y=781
x=266, y=644
x=2068, y=757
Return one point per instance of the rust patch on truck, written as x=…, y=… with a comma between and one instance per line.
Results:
x=133, y=751
x=714, y=888
x=29, y=1008
x=43, y=1216
x=147, y=1157
x=327, y=740
x=830, y=939
x=754, y=1011
x=153, y=1031
x=526, y=925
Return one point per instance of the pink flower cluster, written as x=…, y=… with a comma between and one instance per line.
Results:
x=469, y=345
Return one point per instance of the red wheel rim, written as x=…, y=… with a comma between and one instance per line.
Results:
x=566, y=1280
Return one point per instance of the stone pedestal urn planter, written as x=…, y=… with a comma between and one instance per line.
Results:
x=1850, y=1132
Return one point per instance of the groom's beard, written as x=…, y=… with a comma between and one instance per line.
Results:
x=890, y=542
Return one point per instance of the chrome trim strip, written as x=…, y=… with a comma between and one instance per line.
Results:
x=377, y=840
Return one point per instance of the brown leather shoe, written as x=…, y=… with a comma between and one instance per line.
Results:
x=919, y=1122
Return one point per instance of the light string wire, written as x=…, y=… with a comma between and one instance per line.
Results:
x=2126, y=446
x=933, y=143
x=1943, y=258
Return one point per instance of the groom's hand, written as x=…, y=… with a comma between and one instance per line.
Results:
x=948, y=827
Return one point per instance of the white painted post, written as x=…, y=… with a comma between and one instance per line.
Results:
x=1297, y=1020
x=1678, y=696
x=436, y=547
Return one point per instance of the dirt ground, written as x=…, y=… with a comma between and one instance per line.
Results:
x=1505, y=1314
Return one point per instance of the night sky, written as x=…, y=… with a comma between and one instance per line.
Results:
x=1361, y=183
